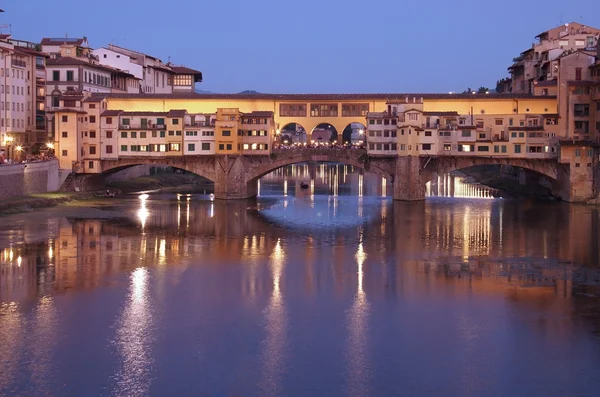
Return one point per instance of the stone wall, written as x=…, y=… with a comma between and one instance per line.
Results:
x=31, y=178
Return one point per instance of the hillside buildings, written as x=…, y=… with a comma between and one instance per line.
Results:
x=564, y=64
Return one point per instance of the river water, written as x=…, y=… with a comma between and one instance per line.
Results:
x=331, y=291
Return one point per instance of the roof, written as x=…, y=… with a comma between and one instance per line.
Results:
x=72, y=95
x=440, y=114
x=183, y=70
x=29, y=51
x=94, y=98
x=111, y=113
x=145, y=114
x=258, y=113
x=578, y=83
x=62, y=40
x=66, y=110
x=413, y=110
x=546, y=83
x=526, y=128
x=176, y=113
x=582, y=142
x=68, y=61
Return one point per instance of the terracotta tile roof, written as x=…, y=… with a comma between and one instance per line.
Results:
x=111, y=113
x=526, y=128
x=93, y=98
x=258, y=113
x=441, y=114
x=546, y=83
x=72, y=95
x=68, y=61
x=400, y=98
x=577, y=83
x=573, y=142
x=66, y=110
x=29, y=51
x=165, y=114
x=176, y=113
x=376, y=115
x=413, y=110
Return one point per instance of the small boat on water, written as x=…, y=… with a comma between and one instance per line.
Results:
x=304, y=185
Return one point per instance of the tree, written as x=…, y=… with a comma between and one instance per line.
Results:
x=483, y=90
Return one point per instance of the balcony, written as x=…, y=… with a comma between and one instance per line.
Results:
x=19, y=63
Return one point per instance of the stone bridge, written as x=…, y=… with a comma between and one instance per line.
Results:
x=236, y=177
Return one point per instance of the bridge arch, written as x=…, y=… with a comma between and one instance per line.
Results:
x=203, y=166
x=260, y=167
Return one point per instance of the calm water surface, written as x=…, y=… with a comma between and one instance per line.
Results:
x=332, y=291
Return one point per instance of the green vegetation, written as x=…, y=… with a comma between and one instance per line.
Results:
x=17, y=205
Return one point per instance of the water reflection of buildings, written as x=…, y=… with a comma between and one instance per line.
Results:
x=495, y=244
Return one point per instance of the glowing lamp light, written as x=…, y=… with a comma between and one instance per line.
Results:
x=19, y=148
x=50, y=145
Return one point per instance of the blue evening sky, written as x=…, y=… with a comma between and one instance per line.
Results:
x=312, y=46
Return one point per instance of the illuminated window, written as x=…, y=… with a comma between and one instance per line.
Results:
x=174, y=147
x=182, y=80
x=354, y=109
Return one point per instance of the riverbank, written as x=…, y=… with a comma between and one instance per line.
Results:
x=17, y=205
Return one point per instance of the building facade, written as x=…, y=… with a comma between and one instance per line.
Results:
x=22, y=86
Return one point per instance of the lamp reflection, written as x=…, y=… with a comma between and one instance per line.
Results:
x=134, y=338
x=143, y=212
x=276, y=324
x=358, y=368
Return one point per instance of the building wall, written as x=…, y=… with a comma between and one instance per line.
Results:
x=67, y=148
x=119, y=61
x=31, y=178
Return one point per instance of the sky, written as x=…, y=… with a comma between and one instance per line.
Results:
x=312, y=46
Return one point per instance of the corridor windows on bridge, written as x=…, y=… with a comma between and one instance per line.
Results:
x=323, y=110
x=292, y=110
x=355, y=109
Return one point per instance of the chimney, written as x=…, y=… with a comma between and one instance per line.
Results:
x=414, y=99
x=406, y=100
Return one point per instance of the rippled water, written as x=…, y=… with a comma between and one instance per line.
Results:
x=330, y=291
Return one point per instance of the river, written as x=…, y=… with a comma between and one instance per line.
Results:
x=335, y=290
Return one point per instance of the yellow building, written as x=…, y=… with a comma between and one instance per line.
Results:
x=226, y=131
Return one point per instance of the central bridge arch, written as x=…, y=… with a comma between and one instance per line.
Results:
x=260, y=166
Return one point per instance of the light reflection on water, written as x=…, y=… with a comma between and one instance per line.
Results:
x=325, y=292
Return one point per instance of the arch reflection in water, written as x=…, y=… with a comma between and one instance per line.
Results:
x=324, y=179
x=274, y=354
x=358, y=346
x=450, y=185
x=134, y=339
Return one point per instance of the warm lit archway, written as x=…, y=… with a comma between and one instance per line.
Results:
x=324, y=133
x=354, y=134
x=293, y=134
